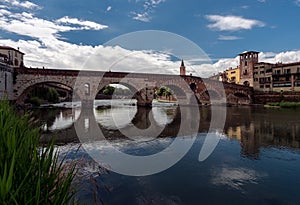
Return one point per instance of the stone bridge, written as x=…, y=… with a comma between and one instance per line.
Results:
x=86, y=84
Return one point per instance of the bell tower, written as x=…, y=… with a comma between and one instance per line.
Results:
x=182, y=68
x=247, y=62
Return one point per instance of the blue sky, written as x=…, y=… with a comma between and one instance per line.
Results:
x=58, y=33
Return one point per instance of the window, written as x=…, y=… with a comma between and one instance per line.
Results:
x=245, y=72
x=232, y=72
x=261, y=86
x=267, y=86
x=269, y=71
x=255, y=79
x=262, y=72
x=246, y=63
x=87, y=89
x=277, y=72
x=287, y=71
x=298, y=70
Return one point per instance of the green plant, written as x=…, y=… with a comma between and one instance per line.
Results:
x=36, y=101
x=52, y=95
x=30, y=174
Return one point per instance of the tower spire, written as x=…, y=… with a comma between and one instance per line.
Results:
x=182, y=68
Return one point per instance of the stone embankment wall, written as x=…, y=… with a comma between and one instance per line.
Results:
x=262, y=98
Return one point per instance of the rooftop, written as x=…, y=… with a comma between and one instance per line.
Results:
x=248, y=52
x=11, y=48
x=277, y=65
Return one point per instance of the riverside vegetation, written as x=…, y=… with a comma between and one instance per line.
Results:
x=30, y=174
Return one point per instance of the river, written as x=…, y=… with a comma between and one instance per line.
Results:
x=256, y=161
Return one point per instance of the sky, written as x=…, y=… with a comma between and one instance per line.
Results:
x=66, y=34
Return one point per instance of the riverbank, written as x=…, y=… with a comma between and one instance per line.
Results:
x=283, y=104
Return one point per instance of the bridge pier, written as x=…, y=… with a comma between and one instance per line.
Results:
x=145, y=97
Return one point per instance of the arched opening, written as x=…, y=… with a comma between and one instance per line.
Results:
x=193, y=87
x=116, y=91
x=246, y=83
x=165, y=94
x=46, y=93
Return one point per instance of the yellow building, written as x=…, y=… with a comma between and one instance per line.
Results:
x=233, y=75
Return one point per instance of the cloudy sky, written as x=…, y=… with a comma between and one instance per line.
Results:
x=66, y=33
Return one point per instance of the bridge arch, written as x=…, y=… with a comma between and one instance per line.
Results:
x=181, y=90
x=138, y=93
x=21, y=97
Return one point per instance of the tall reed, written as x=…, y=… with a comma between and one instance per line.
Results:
x=30, y=174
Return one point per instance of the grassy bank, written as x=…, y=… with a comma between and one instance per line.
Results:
x=29, y=174
x=284, y=104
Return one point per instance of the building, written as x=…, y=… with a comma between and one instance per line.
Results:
x=286, y=77
x=233, y=75
x=11, y=56
x=6, y=81
x=262, y=75
x=247, y=62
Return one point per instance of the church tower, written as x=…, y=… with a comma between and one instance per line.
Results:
x=247, y=62
x=182, y=69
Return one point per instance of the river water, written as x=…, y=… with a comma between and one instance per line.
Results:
x=257, y=160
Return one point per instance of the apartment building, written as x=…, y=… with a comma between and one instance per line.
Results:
x=262, y=75
x=286, y=77
x=233, y=75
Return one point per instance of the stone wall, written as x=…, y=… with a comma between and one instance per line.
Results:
x=263, y=98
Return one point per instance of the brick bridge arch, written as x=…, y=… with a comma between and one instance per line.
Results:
x=144, y=85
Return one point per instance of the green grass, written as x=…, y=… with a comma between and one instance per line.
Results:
x=285, y=104
x=30, y=174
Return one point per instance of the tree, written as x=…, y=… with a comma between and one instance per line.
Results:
x=108, y=90
x=164, y=91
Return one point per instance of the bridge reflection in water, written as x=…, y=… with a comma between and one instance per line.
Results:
x=254, y=127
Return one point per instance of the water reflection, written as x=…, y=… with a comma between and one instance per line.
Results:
x=254, y=127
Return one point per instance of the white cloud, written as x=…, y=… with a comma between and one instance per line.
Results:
x=262, y=1
x=232, y=23
x=108, y=8
x=22, y=4
x=297, y=2
x=228, y=38
x=85, y=25
x=284, y=57
x=4, y=12
x=149, y=7
x=142, y=17
x=44, y=30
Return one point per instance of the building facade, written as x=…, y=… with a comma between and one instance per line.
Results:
x=11, y=56
x=247, y=62
x=233, y=75
x=6, y=81
x=262, y=75
x=286, y=77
